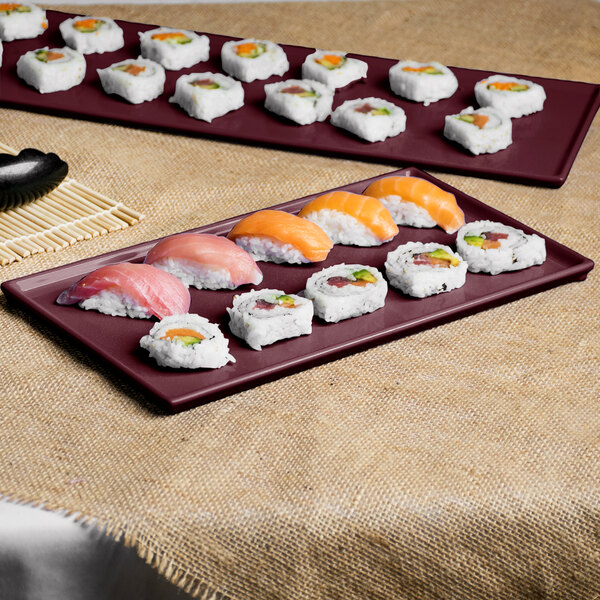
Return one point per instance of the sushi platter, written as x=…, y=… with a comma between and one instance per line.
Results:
x=543, y=149
x=116, y=340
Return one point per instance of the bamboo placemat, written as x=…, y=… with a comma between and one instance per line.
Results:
x=70, y=213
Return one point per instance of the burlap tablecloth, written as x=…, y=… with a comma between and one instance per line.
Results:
x=461, y=462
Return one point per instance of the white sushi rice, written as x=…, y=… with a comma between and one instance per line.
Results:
x=270, y=60
x=408, y=81
x=371, y=127
x=260, y=327
x=517, y=251
x=343, y=228
x=333, y=76
x=284, y=98
x=494, y=136
x=266, y=249
x=116, y=305
x=421, y=281
x=513, y=104
x=333, y=304
x=208, y=102
x=405, y=212
x=106, y=37
x=54, y=75
x=174, y=53
x=24, y=21
x=143, y=87
x=212, y=352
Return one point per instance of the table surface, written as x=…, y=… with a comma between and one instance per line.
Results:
x=461, y=461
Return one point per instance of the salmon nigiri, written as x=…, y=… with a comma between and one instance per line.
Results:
x=418, y=202
x=132, y=290
x=351, y=218
x=205, y=261
x=280, y=237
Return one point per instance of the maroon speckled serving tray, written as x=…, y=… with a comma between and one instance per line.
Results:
x=544, y=148
x=115, y=339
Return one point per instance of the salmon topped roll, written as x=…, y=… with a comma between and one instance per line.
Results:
x=417, y=202
x=280, y=237
x=351, y=218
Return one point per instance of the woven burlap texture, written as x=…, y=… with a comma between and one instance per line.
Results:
x=461, y=462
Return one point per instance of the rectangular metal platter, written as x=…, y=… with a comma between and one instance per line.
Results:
x=115, y=339
x=544, y=144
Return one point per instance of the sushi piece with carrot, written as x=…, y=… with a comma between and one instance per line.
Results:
x=417, y=202
x=129, y=290
x=21, y=20
x=351, y=219
x=205, y=261
x=174, y=49
x=90, y=35
x=281, y=237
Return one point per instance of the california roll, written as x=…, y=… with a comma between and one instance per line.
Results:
x=21, y=20
x=332, y=68
x=52, y=69
x=137, y=80
x=174, y=49
x=510, y=95
x=252, y=59
x=90, y=35
x=422, y=82
x=301, y=100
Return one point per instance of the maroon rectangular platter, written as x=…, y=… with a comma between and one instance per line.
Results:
x=544, y=148
x=115, y=339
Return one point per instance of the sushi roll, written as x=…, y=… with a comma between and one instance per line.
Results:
x=52, y=70
x=174, y=49
x=332, y=68
x=129, y=290
x=135, y=79
x=481, y=131
x=422, y=82
x=372, y=119
x=351, y=218
x=417, y=202
x=205, y=261
x=346, y=291
x=252, y=59
x=300, y=100
x=280, y=237
x=264, y=317
x=187, y=341
x=206, y=96
x=21, y=21
x=421, y=270
x=90, y=35
x=493, y=248
x=510, y=95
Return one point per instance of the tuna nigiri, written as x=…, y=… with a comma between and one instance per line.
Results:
x=280, y=237
x=132, y=290
x=205, y=261
x=418, y=202
x=351, y=218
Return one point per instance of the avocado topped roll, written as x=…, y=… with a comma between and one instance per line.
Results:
x=20, y=21
x=333, y=68
x=510, y=95
x=174, y=49
x=250, y=59
x=90, y=35
x=52, y=69
x=422, y=82
x=137, y=80
x=301, y=100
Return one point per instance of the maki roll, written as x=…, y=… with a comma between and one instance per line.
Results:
x=421, y=270
x=422, y=82
x=205, y=261
x=90, y=35
x=174, y=49
x=137, y=80
x=493, y=248
x=352, y=219
x=252, y=59
x=267, y=316
x=52, y=70
x=187, y=341
x=334, y=69
x=346, y=291
x=280, y=237
x=20, y=21
x=206, y=96
x=129, y=290
x=510, y=95
x=372, y=119
x=300, y=100
x=481, y=131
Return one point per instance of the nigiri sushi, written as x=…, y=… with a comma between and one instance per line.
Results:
x=349, y=218
x=133, y=290
x=418, y=202
x=205, y=261
x=280, y=237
